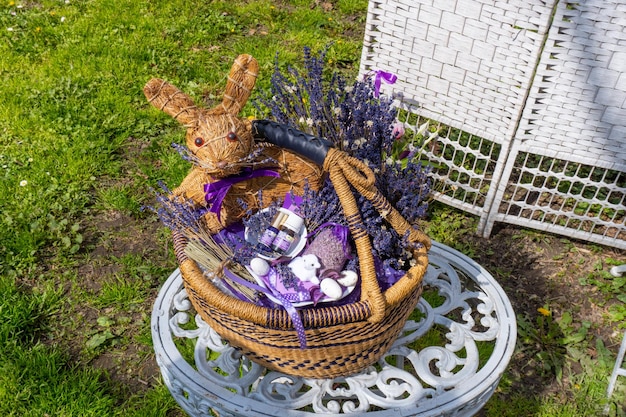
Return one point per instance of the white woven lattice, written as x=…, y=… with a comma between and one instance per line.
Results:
x=567, y=166
x=576, y=109
x=560, y=196
x=533, y=97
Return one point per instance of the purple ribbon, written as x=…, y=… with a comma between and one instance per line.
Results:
x=243, y=282
x=216, y=191
x=271, y=280
x=388, y=77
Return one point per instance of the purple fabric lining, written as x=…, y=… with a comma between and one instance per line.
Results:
x=292, y=203
x=387, y=276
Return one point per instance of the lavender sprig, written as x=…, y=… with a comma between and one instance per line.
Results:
x=323, y=206
x=177, y=213
x=406, y=188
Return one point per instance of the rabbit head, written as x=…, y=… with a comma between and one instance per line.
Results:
x=220, y=141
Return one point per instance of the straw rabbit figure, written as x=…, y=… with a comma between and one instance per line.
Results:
x=230, y=167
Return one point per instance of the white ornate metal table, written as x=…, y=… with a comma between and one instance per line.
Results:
x=447, y=361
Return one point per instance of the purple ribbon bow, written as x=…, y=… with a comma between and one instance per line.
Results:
x=216, y=191
x=388, y=77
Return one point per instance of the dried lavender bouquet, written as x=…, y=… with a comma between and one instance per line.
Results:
x=362, y=123
x=214, y=254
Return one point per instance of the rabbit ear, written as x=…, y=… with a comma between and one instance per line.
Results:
x=240, y=83
x=164, y=96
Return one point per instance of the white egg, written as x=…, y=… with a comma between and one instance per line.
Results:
x=331, y=288
x=259, y=266
x=348, y=278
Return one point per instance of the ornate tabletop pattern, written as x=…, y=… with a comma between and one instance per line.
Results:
x=447, y=361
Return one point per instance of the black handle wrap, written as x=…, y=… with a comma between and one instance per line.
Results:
x=309, y=146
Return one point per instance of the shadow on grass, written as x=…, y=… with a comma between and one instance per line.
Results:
x=555, y=316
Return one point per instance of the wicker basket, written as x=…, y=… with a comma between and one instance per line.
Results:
x=341, y=340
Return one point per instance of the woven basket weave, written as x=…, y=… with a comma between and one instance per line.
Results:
x=341, y=340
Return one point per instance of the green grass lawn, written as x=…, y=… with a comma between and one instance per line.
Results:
x=80, y=148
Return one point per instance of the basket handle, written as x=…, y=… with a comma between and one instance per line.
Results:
x=346, y=171
x=361, y=177
x=309, y=146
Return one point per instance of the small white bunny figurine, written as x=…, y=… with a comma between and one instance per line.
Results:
x=305, y=268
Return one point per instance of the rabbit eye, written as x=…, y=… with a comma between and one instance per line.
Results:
x=232, y=137
x=199, y=142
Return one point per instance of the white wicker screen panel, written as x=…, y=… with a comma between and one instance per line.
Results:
x=577, y=104
x=567, y=166
x=467, y=63
x=544, y=150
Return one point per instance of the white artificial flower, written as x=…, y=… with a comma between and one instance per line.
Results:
x=422, y=129
x=369, y=123
x=309, y=122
